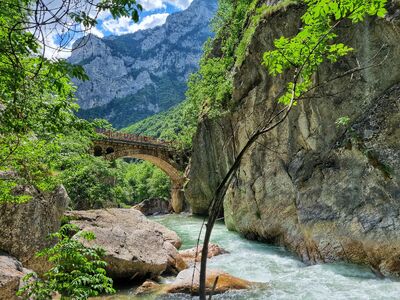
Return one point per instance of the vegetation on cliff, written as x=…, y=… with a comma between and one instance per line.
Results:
x=209, y=89
x=297, y=57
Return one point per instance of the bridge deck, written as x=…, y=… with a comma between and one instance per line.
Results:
x=132, y=139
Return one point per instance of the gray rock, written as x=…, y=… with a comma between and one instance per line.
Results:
x=136, y=247
x=325, y=192
x=193, y=255
x=11, y=274
x=25, y=227
x=155, y=206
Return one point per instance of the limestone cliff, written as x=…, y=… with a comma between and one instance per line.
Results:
x=325, y=192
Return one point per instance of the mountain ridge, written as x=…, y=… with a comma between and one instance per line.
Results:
x=136, y=75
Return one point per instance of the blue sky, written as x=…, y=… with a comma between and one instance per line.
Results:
x=155, y=13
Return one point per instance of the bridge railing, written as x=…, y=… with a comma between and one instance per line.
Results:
x=114, y=135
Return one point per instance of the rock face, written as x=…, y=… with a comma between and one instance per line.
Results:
x=193, y=255
x=11, y=274
x=136, y=75
x=135, y=247
x=325, y=192
x=156, y=206
x=225, y=282
x=24, y=228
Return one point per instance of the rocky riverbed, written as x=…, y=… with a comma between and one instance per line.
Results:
x=282, y=275
x=136, y=248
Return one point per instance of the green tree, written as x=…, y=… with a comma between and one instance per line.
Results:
x=92, y=183
x=147, y=181
x=78, y=272
x=37, y=101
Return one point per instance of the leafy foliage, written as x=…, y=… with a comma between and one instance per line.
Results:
x=147, y=181
x=342, y=121
x=209, y=89
x=315, y=42
x=36, y=109
x=92, y=183
x=78, y=272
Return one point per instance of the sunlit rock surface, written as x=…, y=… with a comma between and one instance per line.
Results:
x=11, y=275
x=187, y=282
x=136, y=247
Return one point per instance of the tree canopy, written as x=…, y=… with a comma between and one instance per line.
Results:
x=37, y=102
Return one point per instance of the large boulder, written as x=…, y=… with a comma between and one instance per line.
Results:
x=154, y=206
x=136, y=247
x=187, y=282
x=11, y=274
x=25, y=227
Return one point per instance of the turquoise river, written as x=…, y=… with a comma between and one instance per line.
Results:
x=287, y=277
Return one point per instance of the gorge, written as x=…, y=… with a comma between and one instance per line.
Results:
x=312, y=210
x=323, y=191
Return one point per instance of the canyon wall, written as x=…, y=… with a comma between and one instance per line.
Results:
x=325, y=192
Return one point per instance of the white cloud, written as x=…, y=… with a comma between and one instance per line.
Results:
x=157, y=4
x=97, y=32
x=181, y=4
x=126, y=25
x=152, y=4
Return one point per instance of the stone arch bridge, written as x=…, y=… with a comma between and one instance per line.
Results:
x=113, y=145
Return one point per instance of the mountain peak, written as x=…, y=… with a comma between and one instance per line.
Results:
x=136, y=75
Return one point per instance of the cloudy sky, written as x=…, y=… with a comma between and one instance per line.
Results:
x=155, y=13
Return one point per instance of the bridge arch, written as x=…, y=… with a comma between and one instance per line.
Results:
x=97, y=151
x=170, y=170
x=159, y=155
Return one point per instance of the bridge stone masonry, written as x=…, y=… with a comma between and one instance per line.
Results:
x=113, y=145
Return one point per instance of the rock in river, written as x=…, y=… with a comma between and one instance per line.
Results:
x=135, y=247
x=154, y=206
x=190, y=256
x=225, y=282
